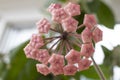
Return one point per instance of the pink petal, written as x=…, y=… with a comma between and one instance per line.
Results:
x=28, y=50
x=73, y=56
x=87, y=50
x=53, y=7
x=84, y=64
x=58, y=15
x=43, y=69
x=43, y=56
x=70, y=24
x=56, y=60
x=70, y=69
x=86, y=35
x=97, y=35
x=43, y=25
x=89, y=21
x=56, y=70
x=36, y=41
x=72, y=9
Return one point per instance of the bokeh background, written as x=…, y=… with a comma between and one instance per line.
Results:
x=17, y=24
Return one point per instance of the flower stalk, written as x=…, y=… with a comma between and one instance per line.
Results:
x=98, y=70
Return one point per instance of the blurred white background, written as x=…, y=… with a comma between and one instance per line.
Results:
x=18, y=18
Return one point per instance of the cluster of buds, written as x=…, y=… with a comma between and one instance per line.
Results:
x=70, y=51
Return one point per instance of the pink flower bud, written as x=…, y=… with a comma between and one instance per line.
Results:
x=70, y=69
x=86, y=35
x=89, y=21
x=43, y=69
x=56, y=60
x=58, y=15
x=43, y=25
x=56, y=70
x=73, y=56
x=36, y=41
x=87, y=50
x=53, y=7
x=72, y=9
x=84, y=64
x=70, y=24
x=97, y=34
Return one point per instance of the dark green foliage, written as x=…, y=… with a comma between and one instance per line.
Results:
x=105, y=16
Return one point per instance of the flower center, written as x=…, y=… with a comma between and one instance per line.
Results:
x=64, y=35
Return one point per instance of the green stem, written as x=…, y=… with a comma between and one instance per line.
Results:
x=98, y=69
x=54, y=30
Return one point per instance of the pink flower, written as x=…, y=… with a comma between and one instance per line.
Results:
x=34, y=53
x=73, y=56
x=42, y=56
x=43, y=25
x=70, y=69
x=97, y=34
x=86, y=35
x=43, y=69
x=72, y=9
x=87, y=50
x=56, y=60
x=28, y=50
x=70, y=24
x=53, y=7
x=56, y=70
x=58, y=15
x=89, y=21
x=36, y=41
x=84, y=64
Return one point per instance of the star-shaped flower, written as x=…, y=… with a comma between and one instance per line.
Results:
x=69, y=24
x=58, y=15
x=53, y=7
x=28, y=50
x=97, y=34
x=89, y=21
x=56, y=70
x=43, y=56
x=36, y=41
x=43, y=25
x=86, y=35
x=56, y=60
x=43, y=69
x=87, y=50
x=72, y=9
x=70, y=69
x=73, y=56
x=84, y=64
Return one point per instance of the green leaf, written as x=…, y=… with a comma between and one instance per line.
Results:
x=93, y=5
x=21, y=68
x=80, y=17
x=116, y=55
x=91, y=74
x=105, y=16
x=108, y=56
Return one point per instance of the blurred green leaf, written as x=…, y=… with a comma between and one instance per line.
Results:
x=93, y=5
x=21, y=68
x=105, y=16
x=116, y=55
x=108, y=56
x=91, y=74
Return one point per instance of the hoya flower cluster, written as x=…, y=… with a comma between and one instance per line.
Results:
x=70, y=51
